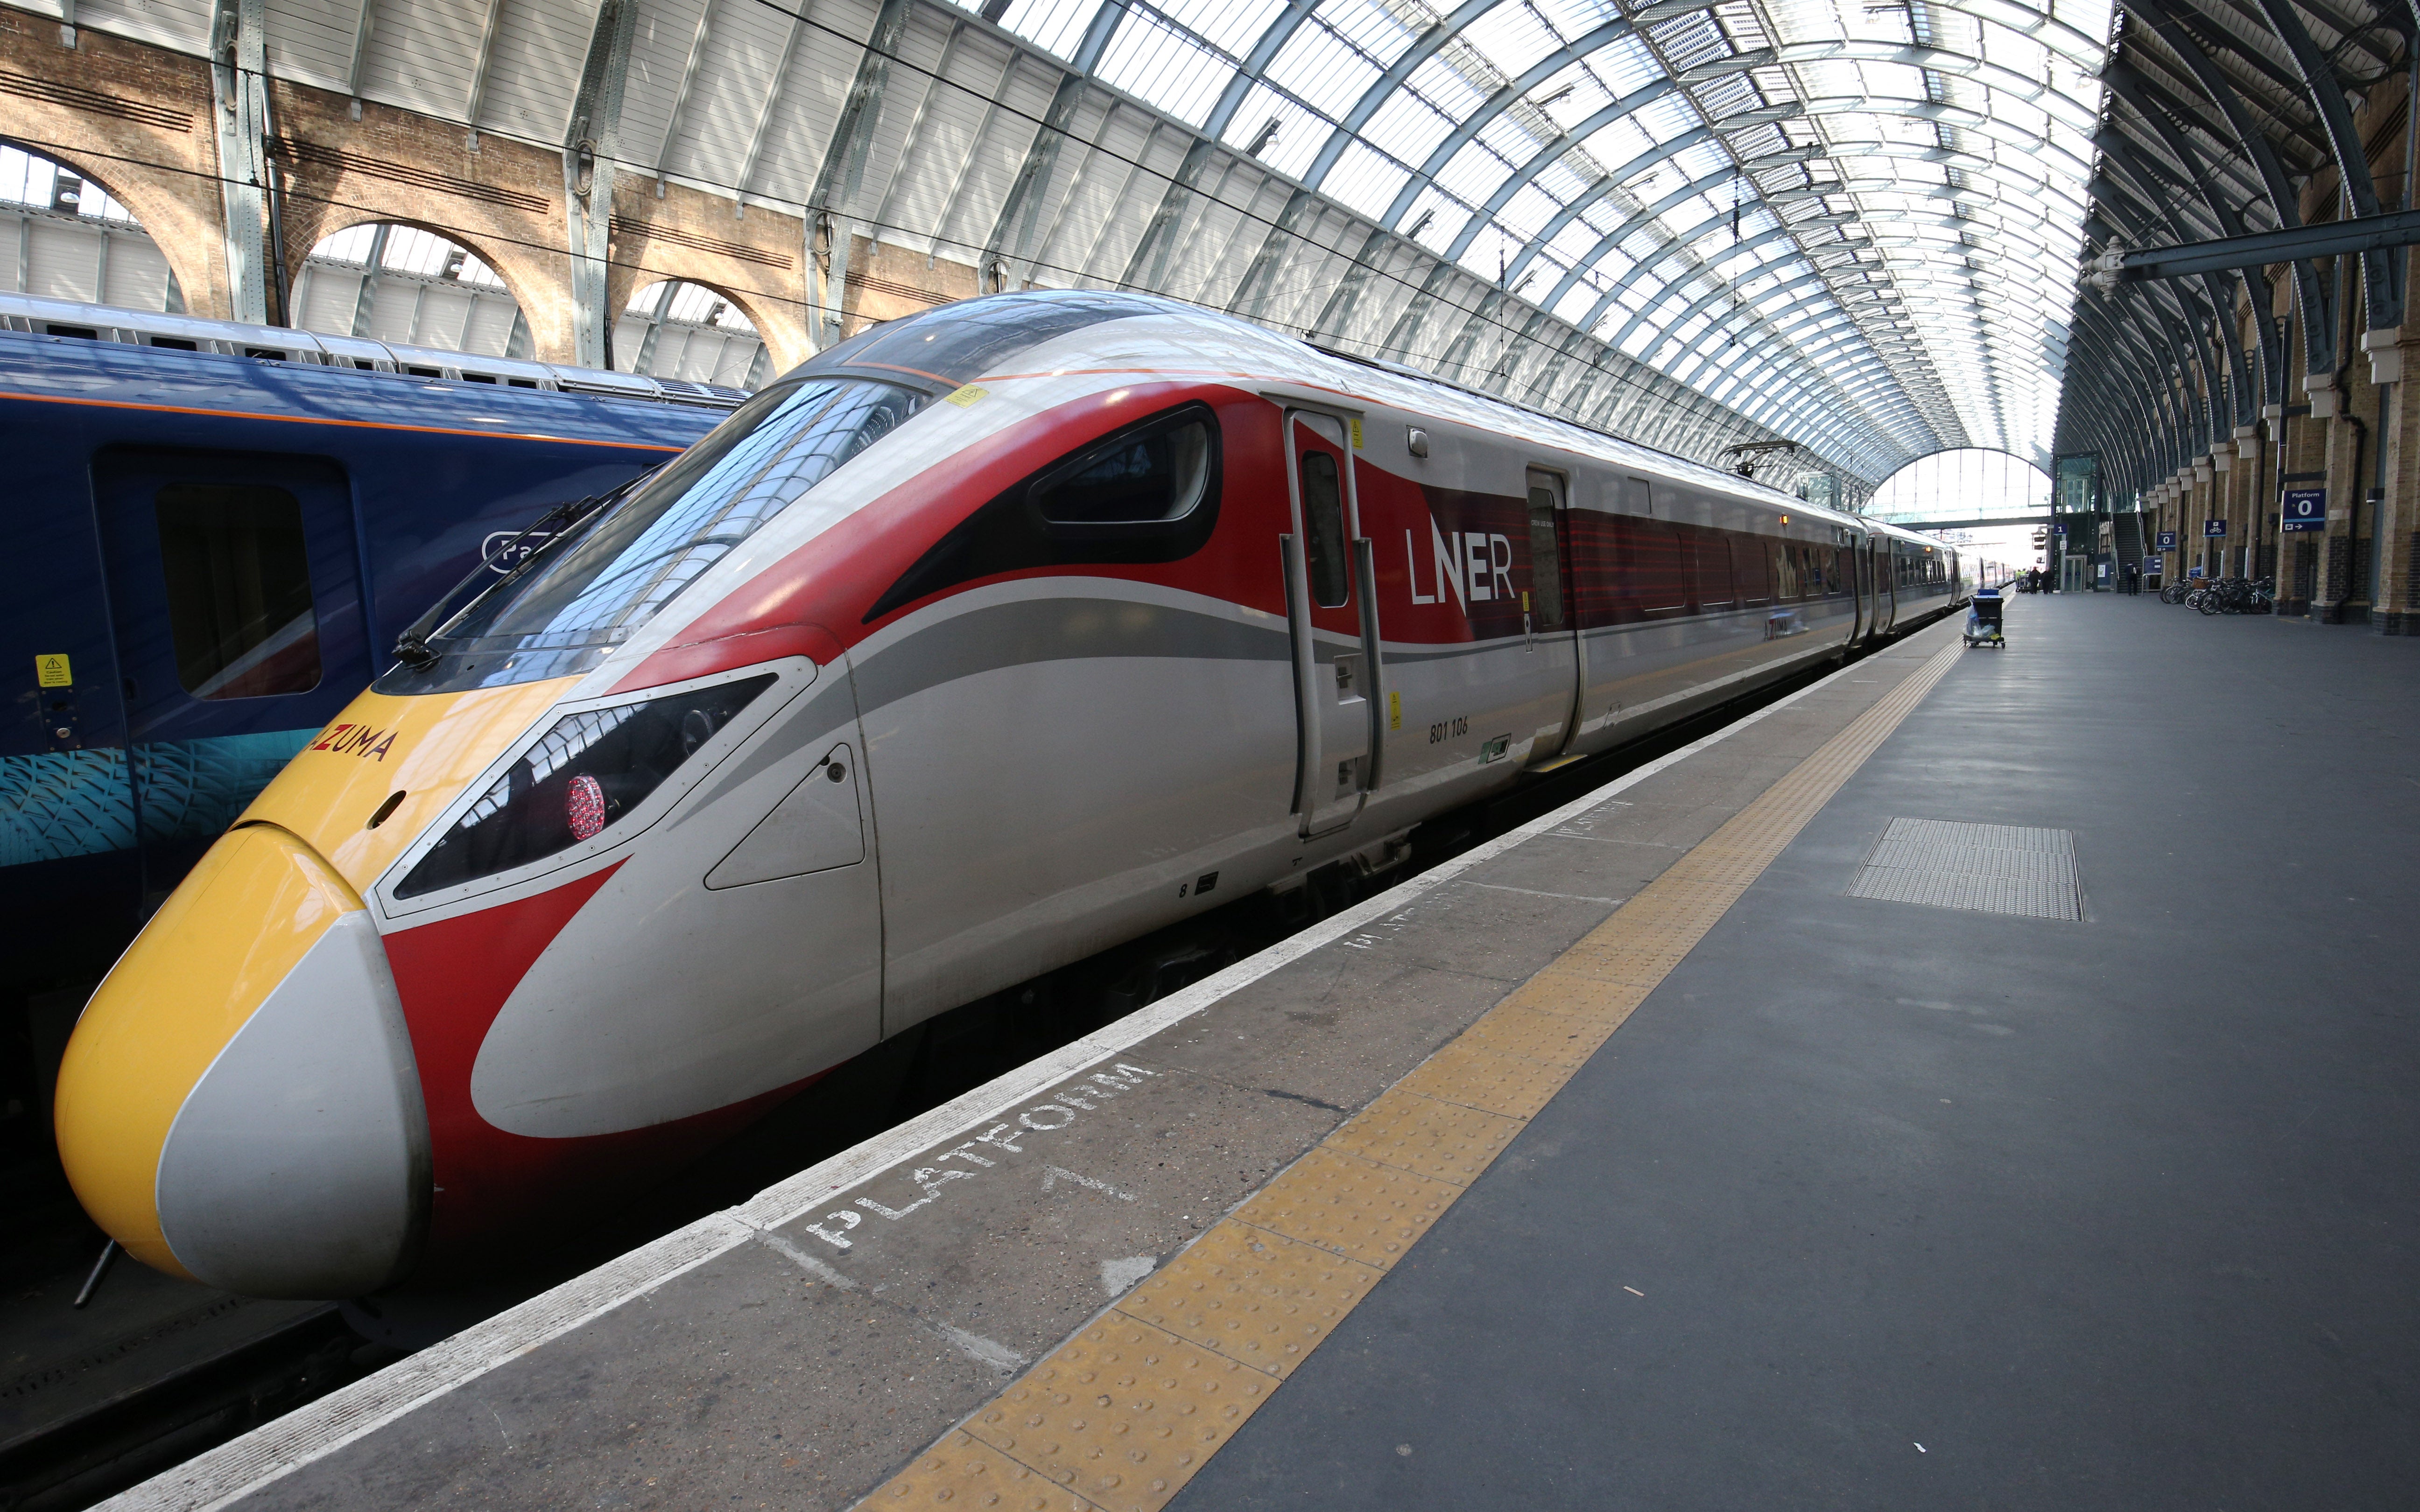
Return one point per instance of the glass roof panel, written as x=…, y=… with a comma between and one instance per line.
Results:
x=1806, y=237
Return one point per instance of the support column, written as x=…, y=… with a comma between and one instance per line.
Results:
x=2332, y=582
x=240, y=106
x=2244, y=521
x=2399, y=513
x=590, y=151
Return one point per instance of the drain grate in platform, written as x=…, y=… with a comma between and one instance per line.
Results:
x=1990, y=869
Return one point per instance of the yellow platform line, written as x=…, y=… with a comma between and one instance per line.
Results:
x=1121, y=1416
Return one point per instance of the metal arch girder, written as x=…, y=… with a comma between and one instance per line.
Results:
x=1555, y=151
x=1364, y=263
x=1870, y=392
x=1863, y=384
x=1022, y=207
x=1640, y=314
x=2217, y=310
x=1870, y=388
x=2150, y=334
x=1488, y=312
x=1611, y=183
x=1283, y=26
x=1617, y=178
x=842, y=169
x=794, y=25
x=2069, y=110
x=2128, y=86
x=1497, y=104
x=2118, y=347
x=1612, y=239
x=1342, y=300
x=1252, y=290
x=2382, y=276
x=1783, y=325
x=1153, y=249
x=592, y=148
x=1374, y=99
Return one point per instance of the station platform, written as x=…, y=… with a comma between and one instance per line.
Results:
x=1968, y=1081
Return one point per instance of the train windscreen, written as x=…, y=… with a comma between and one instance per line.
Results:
x=590, y=589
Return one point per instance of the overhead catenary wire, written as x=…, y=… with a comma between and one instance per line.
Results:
x=1716, y=422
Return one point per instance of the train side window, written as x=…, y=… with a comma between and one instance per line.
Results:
x=175, y=343
x=1637, y=498
x=1323, y=521
x=1545, y=550
x=1150, y=479
x=1711, y=552
x=239, y=581
x=1754, y=568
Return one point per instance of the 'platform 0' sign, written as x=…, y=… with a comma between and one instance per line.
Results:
x=2305, y=509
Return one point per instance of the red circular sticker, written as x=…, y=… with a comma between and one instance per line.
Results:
x=583, y=806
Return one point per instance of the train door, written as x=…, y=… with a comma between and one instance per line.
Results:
x=1886, y=585
x=235, y=606
x=1548, y=613
x=1861, y=583
x=1335, y=628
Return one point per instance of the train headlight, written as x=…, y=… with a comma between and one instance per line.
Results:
x=580, y=775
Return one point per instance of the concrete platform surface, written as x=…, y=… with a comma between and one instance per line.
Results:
x=1880, y=1205
x=1868, y=1202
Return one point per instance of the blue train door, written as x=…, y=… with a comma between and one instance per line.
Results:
x=236, y=606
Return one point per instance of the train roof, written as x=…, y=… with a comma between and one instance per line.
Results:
x=959, y=341
x=64, y=369
x=33, y=314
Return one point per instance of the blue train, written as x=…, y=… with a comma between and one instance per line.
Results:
x=217, y=531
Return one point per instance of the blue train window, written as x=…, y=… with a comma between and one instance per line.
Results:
x=239, y=580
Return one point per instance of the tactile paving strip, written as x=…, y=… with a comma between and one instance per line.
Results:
x=1990, y=869
x=1121, y=1416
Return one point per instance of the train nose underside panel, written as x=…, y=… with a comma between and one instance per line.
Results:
x=240, y=1104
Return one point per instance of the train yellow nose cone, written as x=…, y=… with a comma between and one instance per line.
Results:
x=239, y=1103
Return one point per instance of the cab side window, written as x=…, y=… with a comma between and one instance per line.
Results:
x=1146, y=493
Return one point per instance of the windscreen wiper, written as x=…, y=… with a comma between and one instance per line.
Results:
x=412, y=649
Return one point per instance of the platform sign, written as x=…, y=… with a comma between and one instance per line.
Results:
x=2305, y=509
x=2213, y=528
x=2059, y=528
x=2167, y=540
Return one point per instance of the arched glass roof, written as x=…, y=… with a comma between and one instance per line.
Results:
x=1855, y=223
x=1852, y=224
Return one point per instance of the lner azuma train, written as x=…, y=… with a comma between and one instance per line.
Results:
x=986, y=639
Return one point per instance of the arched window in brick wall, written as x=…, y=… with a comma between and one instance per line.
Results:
x=63, y=236
x=407, y=287
x=673, y=329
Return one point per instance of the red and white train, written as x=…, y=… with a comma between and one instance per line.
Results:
x=987, y=640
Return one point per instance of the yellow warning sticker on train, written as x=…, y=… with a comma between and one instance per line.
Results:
x=964, y=398
x=52, y=670
x=1394, y=711
x=1356, y=433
